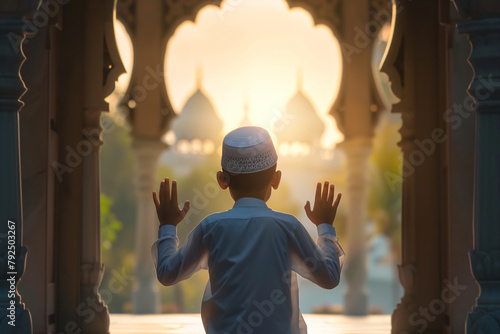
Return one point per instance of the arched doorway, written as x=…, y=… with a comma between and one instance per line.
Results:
x=358, y=94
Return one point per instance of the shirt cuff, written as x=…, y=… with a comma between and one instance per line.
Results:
x=166, y=231
x=326, y=229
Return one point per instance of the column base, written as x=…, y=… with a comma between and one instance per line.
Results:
x=16, y=320
x=356, y=302
x=485, y=316
x=401, y=316
x=94, y=314
x=146, y=298
x=484, y=320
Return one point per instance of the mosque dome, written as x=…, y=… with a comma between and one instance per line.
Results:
x=198, y=119
x=300, y=121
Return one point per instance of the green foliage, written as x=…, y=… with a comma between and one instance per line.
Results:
x=384, y=200
x=117, y=174
x=109, y=223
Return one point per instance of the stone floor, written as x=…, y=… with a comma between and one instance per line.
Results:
x=191, y=324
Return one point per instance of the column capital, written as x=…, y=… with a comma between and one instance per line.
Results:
x=484, y=36
x=357, y=145
x=11, y=85
x=148, y=145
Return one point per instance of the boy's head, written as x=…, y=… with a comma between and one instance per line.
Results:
x=249, y=163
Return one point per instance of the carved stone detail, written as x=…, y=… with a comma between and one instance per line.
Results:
x=485, y=265
x=177, y=11
x=92, y=274
x=408, y=304
x=322, y=11
x=484, y=321
x=380, y=15
x=393, y=62
x=113, y=66
x=125, y=12
x=15, y=317
x=482, y=31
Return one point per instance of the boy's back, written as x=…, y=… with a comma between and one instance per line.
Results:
x=250, y=251
x=249, y=265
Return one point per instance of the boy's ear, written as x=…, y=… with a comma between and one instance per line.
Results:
x=222, y=180
x=275, y=180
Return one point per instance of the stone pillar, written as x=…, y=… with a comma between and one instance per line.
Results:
x=407, y=270
x=358, y=108
x=92, y=269
x=15, y=316
x=103, y=66
x=416, y=65
x=357, y=152
x=483, y=35
x=146, y=295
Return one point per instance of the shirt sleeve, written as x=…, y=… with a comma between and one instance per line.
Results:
x=320, y=263
x=175, y=264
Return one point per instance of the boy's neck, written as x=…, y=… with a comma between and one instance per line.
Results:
x=262, y=195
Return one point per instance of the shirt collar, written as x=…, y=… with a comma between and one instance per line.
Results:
x=249, y=201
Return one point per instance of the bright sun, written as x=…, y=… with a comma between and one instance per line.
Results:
x=251, y=51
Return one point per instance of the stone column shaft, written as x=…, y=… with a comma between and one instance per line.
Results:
x=92, y=270
x=146, y=295
x=356, y=295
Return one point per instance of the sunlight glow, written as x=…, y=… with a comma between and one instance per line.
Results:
x=126, y=51
x=250, y=51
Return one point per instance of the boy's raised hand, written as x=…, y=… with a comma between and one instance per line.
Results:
x=167, y=208
x=325, y=208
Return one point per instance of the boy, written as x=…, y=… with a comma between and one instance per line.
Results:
x=251, y=252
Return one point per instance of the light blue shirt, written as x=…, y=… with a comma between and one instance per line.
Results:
x=252, y=254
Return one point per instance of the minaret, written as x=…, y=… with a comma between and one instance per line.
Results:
x=245, y=121
x=301, y=124
x=199, y=76
x=299, y=78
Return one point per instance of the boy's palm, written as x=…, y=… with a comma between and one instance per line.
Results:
x=325, y=209
x=167, y=208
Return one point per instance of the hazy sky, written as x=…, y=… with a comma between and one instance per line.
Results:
x=250, y=50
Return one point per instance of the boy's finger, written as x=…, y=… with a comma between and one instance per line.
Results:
x=318, y=193
x=337, y=201
x=174, y=191
x=186, y=208
x=166, y=190
x=161, y=192
x=330, y=194
x=307, y=207
x=155, y=199
x=325, y=191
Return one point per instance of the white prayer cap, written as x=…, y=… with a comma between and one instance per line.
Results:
x=248, y=149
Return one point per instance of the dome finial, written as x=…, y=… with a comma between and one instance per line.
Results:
x=299, y=78
x=245, y=106
x=199, y=75
x=246, y=114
